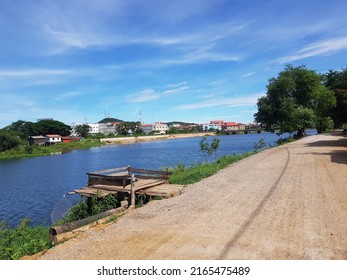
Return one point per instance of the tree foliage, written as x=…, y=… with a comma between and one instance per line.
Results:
x=337, y=81
x=209, y=148
x=8, y=141
x=83, y=130
x=126, y=128
x=295, y=100
x=25, y=129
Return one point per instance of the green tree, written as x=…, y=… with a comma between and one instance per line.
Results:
x=8, y=141
x=53, y=127
x=126, y=128
x=209, y=148
x=83, y=130
x=337, y=81
x=296, y=94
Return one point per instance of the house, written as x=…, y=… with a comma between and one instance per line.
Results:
x=160, y=127
x=52, y=139
x=146, y=128
x=233, y=127
x=39, y=140
x=67, y=139
x=216, y=125
x=94, y=128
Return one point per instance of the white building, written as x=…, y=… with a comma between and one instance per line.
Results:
x=52, y=139
x=160, y=127
x=94, y=128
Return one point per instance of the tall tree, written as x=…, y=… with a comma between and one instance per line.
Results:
x=295, y=100
x=83, y=130
x=337, y=81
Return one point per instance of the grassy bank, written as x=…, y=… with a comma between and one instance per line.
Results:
x=24, y=151
x=184, y=176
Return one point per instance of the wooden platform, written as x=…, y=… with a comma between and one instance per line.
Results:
x=118, y=181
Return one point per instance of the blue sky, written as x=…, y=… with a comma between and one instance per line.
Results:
x=194, y=61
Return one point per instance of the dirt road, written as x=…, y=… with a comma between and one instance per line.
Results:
x=289, y=202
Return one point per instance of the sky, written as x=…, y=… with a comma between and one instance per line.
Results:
x=158, y=60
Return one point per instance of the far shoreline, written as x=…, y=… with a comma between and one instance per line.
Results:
x=139, y=139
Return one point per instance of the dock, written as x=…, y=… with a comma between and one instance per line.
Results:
x=126, y=182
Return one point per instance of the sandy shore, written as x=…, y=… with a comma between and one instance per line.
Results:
x=137, y=139
x=288, y=202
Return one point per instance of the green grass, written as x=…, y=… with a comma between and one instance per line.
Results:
x=22, y=241
x=36, y=151
x=182, y=175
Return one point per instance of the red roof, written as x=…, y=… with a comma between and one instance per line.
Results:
x=53, y=135
x=217, y=121
x=230, y=124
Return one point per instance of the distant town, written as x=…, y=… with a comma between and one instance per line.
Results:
x=114, y=127
x=107, y=128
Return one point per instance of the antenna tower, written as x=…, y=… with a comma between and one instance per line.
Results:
x=140, y=116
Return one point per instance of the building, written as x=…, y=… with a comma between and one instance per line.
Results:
x=108, y=128
x=52, y=139
x=67, y=139
x=216, y=125
x=39, y=140
x=94, y=128
x=233, y=127
x=146, y=128
x=160, y=127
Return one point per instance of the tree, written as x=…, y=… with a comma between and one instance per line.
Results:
x=53, y=127
x=83, y=130
x=337, y=81
x=209, y=148
x=126, y=128
x=8, y=141
x=295, y=100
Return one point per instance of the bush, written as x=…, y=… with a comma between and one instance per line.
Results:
x=196, y=173
x=92, y=207
x=22, y=241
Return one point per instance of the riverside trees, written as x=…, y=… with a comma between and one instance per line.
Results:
x=295, y=100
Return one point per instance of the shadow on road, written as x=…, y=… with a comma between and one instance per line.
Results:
x=337, y=156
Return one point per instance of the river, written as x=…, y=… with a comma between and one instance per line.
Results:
x=32, y=187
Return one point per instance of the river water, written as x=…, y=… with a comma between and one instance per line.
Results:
x=32, y=187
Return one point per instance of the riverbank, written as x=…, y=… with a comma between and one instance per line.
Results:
x=288, y=202
x=138, y=139
x=25, y=151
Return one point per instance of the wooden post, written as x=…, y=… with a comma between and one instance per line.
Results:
x=132, y=192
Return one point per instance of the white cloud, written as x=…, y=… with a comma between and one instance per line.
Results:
x=177, y=85
x=28, y=73
x=142, y=96
x=176, y=90
x=318, y=48
x=248, y=74
x=67, y=95
x=233, y=102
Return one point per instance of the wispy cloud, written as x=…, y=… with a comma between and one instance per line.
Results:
x=67, y=95
x=248, y=74
x=142, y=96
x=325, y=47
x=33, y=73
x=176, y=90
x=177, y=85
x=218, y=102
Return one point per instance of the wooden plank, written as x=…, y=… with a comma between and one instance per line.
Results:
x=93, y=192
x=108, y=171
x=111, y=188
x=147, y=171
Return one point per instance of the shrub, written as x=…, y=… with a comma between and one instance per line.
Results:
x=22, y=241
